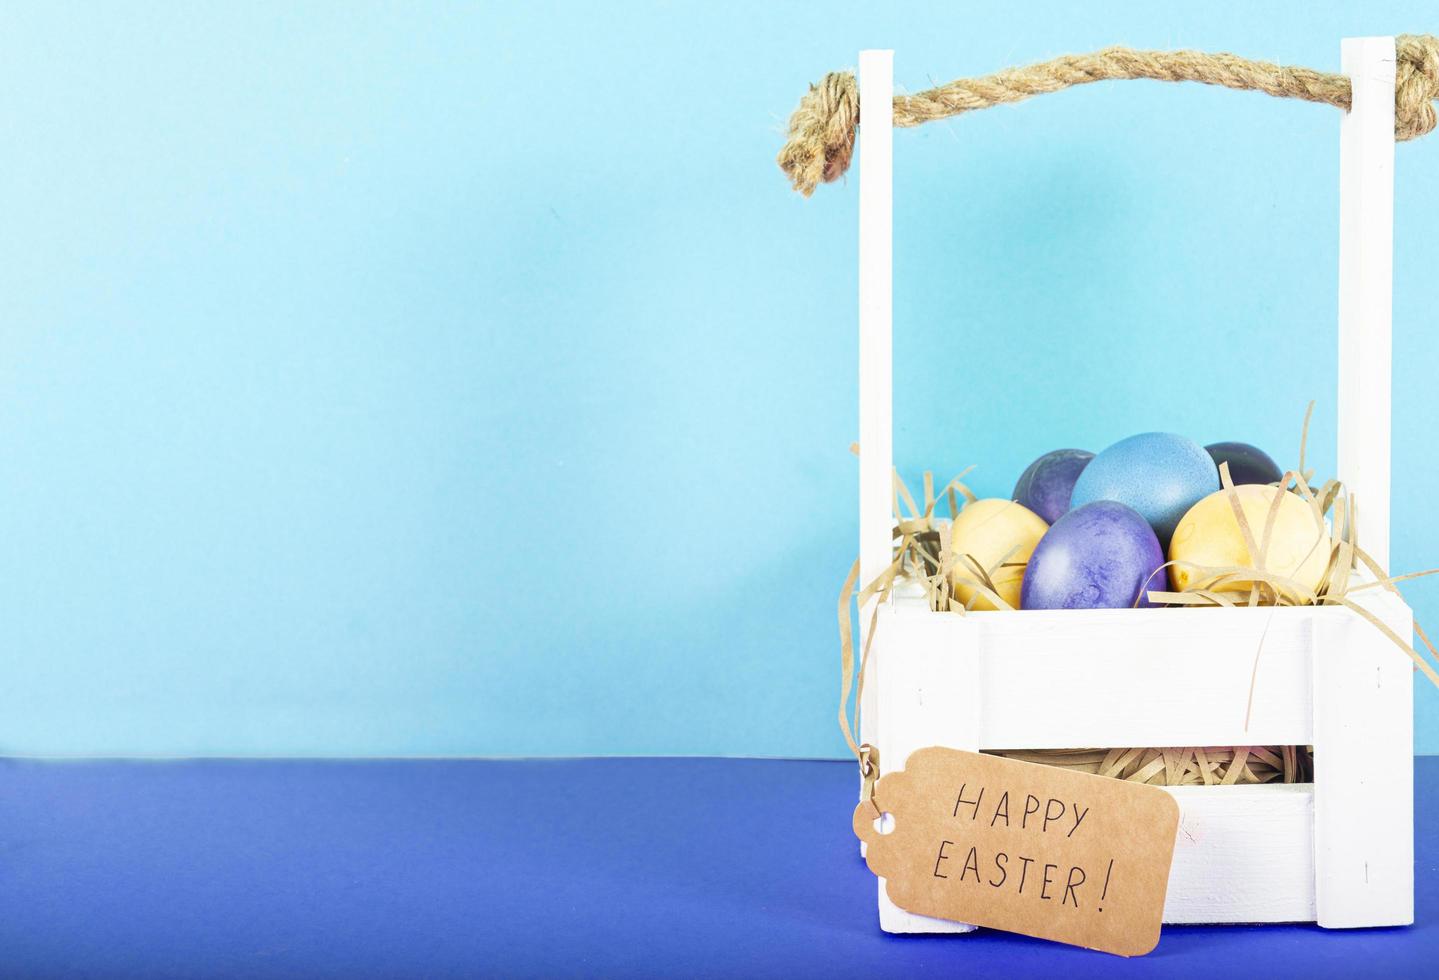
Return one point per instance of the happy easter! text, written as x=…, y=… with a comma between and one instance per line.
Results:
x=1046, y=881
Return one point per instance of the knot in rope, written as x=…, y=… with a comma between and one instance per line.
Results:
x=1416, y=84
x=821, y=132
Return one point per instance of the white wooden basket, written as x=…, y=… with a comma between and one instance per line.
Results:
x=1340, y=851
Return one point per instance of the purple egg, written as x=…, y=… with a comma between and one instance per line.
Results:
x=1247, y=464
x=1098, y=556
x=1045, y=485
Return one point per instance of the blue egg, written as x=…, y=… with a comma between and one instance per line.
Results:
x=1159, y=474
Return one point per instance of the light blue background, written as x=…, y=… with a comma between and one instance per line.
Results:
x=431, y=379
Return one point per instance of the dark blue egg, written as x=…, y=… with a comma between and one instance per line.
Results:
x=1098, y=556
x=1247, y=464
x=1045, y=485
x=1159, y=474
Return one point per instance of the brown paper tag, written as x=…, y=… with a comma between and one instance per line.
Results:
x=1032, y=849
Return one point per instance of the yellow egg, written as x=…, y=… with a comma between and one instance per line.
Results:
x=988, y=530
x=1209, y=535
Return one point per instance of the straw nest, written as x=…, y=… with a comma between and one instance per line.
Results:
x=923, y=565
x=1224, y=766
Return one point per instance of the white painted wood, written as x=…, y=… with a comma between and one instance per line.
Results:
x=932, y=696
x=931, y=687
x=894, y=919
x=1243, y=854
x=876, y=434
x=1366, y=276
x=1054, y=679
x=1364, y=771
x=1339, y=852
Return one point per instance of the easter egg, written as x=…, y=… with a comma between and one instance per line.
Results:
x=1045, y=485
x=1159, y=474
x=1103, y=555
x=987, y=531
x=1209, y=536
x=1247, y=464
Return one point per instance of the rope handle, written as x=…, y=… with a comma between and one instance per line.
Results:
x=821, y=130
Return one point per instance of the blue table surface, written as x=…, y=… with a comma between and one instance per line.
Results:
x=595, y=867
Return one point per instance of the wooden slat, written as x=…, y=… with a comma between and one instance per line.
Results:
x=876, y=137
x=1364, y=772
x=1102, y=678
x=931, y=696
x=1243, y=854
x=1366, y=277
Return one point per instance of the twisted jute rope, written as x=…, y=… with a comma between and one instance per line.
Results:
x=821, y=130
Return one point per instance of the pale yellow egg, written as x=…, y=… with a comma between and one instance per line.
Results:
x=1208, y=535
x=987, y=531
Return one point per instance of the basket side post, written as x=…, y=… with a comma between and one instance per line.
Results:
x=929, y=694
x=1366, y=275
x=876, y=434
x=1363, y=710
x=1363, y=770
